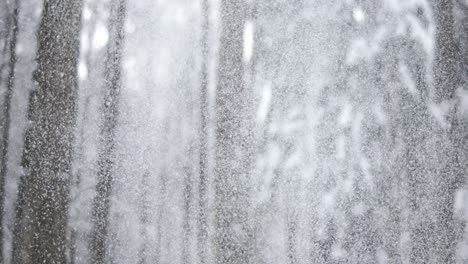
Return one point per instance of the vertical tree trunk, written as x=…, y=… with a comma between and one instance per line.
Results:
x=186, y=226
x=74, y=232
x=7, y=117
x=446, y=51
x=162, y=201
x=233, y=134
x=202, y=234
x=42, y=209
x=5, y=32
x=113, y=81
x=291, y=224
x=462, y=7
x=144, y=218
x=446, y=79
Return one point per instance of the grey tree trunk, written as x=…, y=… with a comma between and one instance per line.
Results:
x=462, y=7
x=43, y=198
x=91, y=59
x=446, y=79
x=5, y=32
x=186, y=226
x=446, y=50
x=202, y=221
x=113, y=81
x=233, y=132
x=144, y=218
x=7, y=116
x=74, y=233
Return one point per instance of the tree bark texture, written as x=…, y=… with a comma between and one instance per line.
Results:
x=43, y=198
x=7, y=115
x=113, y=83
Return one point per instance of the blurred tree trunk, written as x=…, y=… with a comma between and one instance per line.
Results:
x=13, y=18
x=187, y=228
x=43, y=198
x=449, y=176
x=202, y=234
x=462, y=8
x=162, y=202
x=233, y=143
x=74, y=232
x=446, y=50
x=5, y=31
x=144, y=218
x=91, y=58
x=113, y=83
x=291, y=226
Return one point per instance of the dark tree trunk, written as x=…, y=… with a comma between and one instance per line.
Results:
x=446, y=50
x=5, y=31
x=43, y=198
x=233, y=135
x=7, y=117
x=202, y=235
x=448, y=178
x=113, y=83
x=462, y=8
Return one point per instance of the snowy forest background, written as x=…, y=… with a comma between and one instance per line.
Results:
x=234, y=131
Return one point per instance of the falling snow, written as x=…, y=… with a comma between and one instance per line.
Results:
x=234, y=131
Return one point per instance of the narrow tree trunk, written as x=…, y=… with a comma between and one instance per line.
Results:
x=163, y=191
x=233, y=232
x=42, y=212
x=144, y=218
x=291, y=224
x=74, y=232
x=113, y=82
x=446, y=79
x=462, y=7
x=90, y=59
x=5, y=38
x=7, y=119
x=202, y=235
x=446, y=51
x=186, y=226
